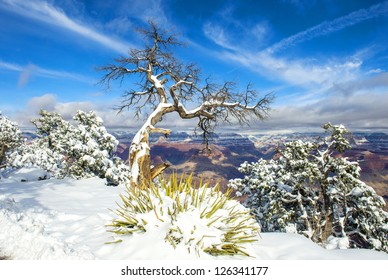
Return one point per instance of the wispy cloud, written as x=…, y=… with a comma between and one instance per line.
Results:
x=25, y=75
x=362, y=111
x=145, y=10
x=336, y=89
x=223, y=24
x=121, y=25
x=328, y=27
x=11, y=66
x=217, y=34
x=45, y=12
x=28, y=70
x=306, y=73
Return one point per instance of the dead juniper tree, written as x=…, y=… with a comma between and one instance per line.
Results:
x=166, y=85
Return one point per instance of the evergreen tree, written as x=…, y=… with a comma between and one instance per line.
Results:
x=82, y=150
x=311, y=190
x=90, y=147
x=10, y=138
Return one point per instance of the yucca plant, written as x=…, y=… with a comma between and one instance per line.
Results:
x=199, y=218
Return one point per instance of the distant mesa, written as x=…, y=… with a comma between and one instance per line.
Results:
x=229, y=150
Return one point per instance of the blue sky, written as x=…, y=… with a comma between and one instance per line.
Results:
x=324, y=60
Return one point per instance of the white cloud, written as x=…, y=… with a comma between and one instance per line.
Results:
x=46, y=102
x=328, y=27
x=45, y=12
x=67, y=110
x=374, y=82
x=25, y=75
x=335, y=89
x=50, y=73
x=313, y=76
x=30, y=69
x=260, y=31
x=216, y=34
x=134, y=11
x=359, y=111
x=375, y=71
x=221, y=31
x=121, y=25
x=305, y=73
x=148, y=9
x=105, y=110
x=11, y=66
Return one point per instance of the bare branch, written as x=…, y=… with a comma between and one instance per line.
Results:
x=165, y=132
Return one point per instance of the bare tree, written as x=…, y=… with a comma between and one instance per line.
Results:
x=166, y=85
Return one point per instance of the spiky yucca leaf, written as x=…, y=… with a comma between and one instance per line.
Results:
x=201, y=219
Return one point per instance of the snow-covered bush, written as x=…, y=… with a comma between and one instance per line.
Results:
x=118, y=172
x=310, y=189
x=48, y=150
x=10, y=138
x=38, y=154
x=80, y=150
x=90, y=147
x=194, y=219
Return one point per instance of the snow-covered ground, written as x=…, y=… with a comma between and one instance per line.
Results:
x=66, y=219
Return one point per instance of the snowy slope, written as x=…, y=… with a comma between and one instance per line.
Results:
x=65, y=219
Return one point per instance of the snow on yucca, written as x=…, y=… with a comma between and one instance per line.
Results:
x=199, y=219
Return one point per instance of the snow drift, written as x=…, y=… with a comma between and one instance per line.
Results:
x=67, y=218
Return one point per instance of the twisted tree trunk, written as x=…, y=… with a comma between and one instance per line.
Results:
x=139, y=152
x=140, y=160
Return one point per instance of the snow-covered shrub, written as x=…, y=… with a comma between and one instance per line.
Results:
x=38, y=154
x=275, y=196
x=90, y=147
x=10, y=138
x=312, y=190
x=48, y=150
x=80, y=150
x=195, y=219
x=118, y=172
